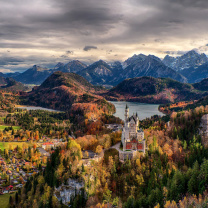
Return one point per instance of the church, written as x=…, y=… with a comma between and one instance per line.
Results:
x=132, y=136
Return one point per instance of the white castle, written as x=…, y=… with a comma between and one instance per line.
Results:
x=132, y=136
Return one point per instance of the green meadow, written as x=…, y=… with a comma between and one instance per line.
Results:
x=2, y=127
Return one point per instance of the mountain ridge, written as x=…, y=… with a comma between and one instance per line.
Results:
x=156, y=90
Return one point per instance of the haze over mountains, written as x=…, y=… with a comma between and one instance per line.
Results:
x=190, y=67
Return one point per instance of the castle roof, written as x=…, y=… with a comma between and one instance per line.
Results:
x=134, y=117
x=140, y=130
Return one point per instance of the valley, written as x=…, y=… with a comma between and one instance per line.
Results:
x=62, y=133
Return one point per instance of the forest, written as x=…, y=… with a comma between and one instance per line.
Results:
x=173, y=172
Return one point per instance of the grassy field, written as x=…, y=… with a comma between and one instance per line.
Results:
x=2, y=127
x=2, y=118
x=4, y=200
x=5, y=145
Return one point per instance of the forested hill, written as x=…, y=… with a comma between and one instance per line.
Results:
x=156, y=90
x=9, y=84
x=68, y=91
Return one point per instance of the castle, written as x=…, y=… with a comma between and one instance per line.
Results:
x=132, y=136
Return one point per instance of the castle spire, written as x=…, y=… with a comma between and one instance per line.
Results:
x=126, y=114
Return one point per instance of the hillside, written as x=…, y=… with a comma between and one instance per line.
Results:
x=203, y=85
x=154, y=90
x=9, y=84
x=69, y=91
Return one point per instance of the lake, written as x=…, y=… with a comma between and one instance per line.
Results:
x=143, y=110
x=37, y=108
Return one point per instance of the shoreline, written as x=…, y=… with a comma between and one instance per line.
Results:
x=29, y=107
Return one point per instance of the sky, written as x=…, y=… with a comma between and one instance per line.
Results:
x=45, y=32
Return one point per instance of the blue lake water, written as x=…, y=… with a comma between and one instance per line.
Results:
x=143, y=110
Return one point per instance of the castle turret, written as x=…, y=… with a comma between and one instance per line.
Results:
x=126, y=113
x=137, y=119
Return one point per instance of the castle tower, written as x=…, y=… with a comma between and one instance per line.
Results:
x=126, y=114
x=137, y=118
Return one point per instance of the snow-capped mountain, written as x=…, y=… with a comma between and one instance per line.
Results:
x=73, y=66
x=188, y=60
x=141, y=65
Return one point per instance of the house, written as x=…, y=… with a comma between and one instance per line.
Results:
x=7, y=189
x=48, y=145
x=43, y=152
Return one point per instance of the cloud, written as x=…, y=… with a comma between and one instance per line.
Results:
x=10, y=61
x=38, y=29
x=87, y=48
x=70, y=52
x=179, y=53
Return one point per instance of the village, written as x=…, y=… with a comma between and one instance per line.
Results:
x=19, y=163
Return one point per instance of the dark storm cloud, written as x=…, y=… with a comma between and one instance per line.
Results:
x=87, y=48
x=93, y=17
x=54, y=25
x=9, y=61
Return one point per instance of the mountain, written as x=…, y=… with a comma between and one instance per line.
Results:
x=73, y=66
x=34, y=75
x=3, y=81
x=142, y=65
x=98, y=73
x=12, y=74
x=59, y=65
x=190, y=59
x=9, y=84
x=196, y=74
x=101, y=73
x=155, y=90
x=69, y=91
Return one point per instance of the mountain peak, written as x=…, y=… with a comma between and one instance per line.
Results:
x=59, y=64
x=72, y=66
x=101, y=62
x=38, y=68
x=187, y=60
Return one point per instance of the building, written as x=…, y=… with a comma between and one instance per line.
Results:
x=132, y=136
x=43, y=152
x=48, y=145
